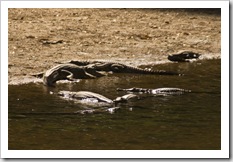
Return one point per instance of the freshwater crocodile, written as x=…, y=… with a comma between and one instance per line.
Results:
x=116, y=67
x=157, y=91
x=68, y=71
x=91, y=97
x=184, y=56
x=95, y=100
x=96, y=103
x=85, y=96
x=74, y=70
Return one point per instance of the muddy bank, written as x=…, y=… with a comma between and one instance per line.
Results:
x=40, y=37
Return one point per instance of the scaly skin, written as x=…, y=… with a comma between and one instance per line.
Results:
x=73, y=70
x=126, y=98
x=68, y=72
x=184, y=56
x=81, y=95
x=157, y=91
x=103, y=103
x=116, y=67
x=94, y=100
x=95, y=97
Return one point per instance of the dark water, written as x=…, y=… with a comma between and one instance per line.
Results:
x=40, y=120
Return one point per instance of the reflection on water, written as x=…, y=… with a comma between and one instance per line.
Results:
x=39, y=119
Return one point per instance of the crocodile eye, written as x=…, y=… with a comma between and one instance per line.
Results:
x=55, y=74
x=53, y=78
x=116, y=67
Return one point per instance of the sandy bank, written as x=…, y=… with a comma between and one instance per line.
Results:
x=40, y=37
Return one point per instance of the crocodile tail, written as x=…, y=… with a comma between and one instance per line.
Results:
x=169, y=91
x=163, y=72
x=145, y=71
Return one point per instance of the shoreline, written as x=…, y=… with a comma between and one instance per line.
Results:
x=37, y=38
x=19, y=80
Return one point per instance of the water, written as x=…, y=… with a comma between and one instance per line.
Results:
x=40, y=120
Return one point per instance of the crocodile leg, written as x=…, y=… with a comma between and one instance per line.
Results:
x=82, y=74
x=69, y=75
x=93, y=71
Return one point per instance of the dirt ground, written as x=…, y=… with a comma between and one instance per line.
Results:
x=40, y=37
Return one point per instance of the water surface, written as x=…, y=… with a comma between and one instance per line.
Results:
x=40, y=120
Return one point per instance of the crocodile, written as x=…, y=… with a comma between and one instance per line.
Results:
x=98, y=103
x=68, y=71
x=184, y=56
x=126, y=98
x=91, y=97
x=95, y=100
x=74, y=70
x=116, y=67
x=85, y=96
x=157, y=91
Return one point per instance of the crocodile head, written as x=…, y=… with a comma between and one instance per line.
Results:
x=126, y=98
x=53, y=75
x=51, y=79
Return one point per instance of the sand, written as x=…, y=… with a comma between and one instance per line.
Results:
x=38, y=38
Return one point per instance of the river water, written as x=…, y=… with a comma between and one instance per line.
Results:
x=40, y=120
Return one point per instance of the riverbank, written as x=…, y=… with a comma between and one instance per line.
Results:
x=40, y=37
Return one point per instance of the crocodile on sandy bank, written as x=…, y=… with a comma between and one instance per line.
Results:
x=74, y=70
x=116, y=67
x=68, y=71
x=184, y=56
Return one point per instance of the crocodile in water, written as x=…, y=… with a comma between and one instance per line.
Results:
x=157, y=91
x=100, y=101
x=92, y=99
